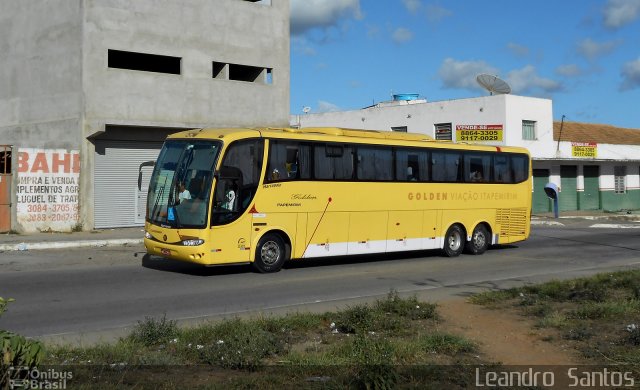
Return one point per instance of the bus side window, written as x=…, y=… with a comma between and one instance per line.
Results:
x=502, y=169
x=288, y=161
x=445, y=166
x=237, y=181
x=477, y=167
x=412, y=165
x=333, y=162
x=374, y=163
x=520, y=165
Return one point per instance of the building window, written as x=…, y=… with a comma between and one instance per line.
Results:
x=143, y=62
x=219, y=70
x=443, y=131
x=244, y=73
x=402, y=129
x=620, y=179
x=269, y=76
x=528, y=130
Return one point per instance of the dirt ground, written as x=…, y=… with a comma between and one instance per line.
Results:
x=502, y=336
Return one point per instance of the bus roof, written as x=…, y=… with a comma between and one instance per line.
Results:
x=336, y=134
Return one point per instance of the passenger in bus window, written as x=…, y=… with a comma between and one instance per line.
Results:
x=410, y=175
x=476, y=176
x=183, y=193
x=230, y=198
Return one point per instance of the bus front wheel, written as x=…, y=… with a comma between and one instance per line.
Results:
x=271, y=253
x=454, y=241
x=479, y=242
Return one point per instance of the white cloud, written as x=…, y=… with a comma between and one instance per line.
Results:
x=310, y=14
x=527, y=80
x=518, y=50
x=630, y=75
x=436, y=13
x=462, y=74
x=412, y=6
x=569, y=70
x=373, y=31
x=302, y=46
x=402, y=35
x=591, y=49
x=617, y=13
x=324, y=106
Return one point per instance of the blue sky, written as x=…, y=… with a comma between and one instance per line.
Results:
x=582, y=54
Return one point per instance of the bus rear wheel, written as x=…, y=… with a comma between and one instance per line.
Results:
x=453, y=241
x=271, y=254
x=479, y=242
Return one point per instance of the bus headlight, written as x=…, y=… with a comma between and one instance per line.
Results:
x=194, y=242
x=147, y=235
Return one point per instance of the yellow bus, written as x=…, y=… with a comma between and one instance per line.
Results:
x=265, y=196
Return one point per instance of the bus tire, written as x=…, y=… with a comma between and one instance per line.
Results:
x=271, y=253
x=479, y=242
x=453, y=241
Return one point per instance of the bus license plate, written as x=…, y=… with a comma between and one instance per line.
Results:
x=165, y=252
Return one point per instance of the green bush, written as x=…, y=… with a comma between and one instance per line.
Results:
x=446, y=344
x=152, y=332
x=15, y=350
x=357, y=319
x=373, y=362
x=409, y=307
x=612, y=309
x=241, y=345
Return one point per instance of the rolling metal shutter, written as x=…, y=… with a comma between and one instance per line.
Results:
x=541, y=202
x=117, y=201
x=568, y=188
x=591, y=196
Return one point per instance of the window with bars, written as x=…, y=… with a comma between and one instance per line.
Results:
x=443, y=131
x=5, y=160
x=620, y=179
x=528, y=130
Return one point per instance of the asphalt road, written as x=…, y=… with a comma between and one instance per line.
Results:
x=95, y=294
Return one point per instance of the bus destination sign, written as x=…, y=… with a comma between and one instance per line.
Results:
x=479, y=133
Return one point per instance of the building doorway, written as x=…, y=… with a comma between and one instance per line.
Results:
x=591, y=196
x=5, y=188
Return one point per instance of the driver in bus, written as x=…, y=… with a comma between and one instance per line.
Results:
x=183, y=193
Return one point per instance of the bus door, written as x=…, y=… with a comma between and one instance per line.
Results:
x=236, y=185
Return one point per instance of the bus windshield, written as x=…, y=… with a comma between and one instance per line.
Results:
x=180, y=187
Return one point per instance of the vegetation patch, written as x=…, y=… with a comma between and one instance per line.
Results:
x=599, y=316
x=393, y=342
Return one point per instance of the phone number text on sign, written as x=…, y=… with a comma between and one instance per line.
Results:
x=479, y=133
x=47, y=189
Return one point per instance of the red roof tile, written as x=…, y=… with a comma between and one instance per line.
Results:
x=602, y=134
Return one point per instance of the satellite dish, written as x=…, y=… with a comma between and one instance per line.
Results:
x=306, y=110
x=493, y=84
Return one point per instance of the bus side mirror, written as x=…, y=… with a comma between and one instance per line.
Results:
x=144, y=164
x=553, y=193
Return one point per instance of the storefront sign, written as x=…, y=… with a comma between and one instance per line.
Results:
x=479, y=133
x=47, y=189
x=584, y=149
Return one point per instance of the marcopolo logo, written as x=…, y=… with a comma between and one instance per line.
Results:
x=33, y=378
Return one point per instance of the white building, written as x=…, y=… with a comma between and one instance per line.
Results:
x=595, y=166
